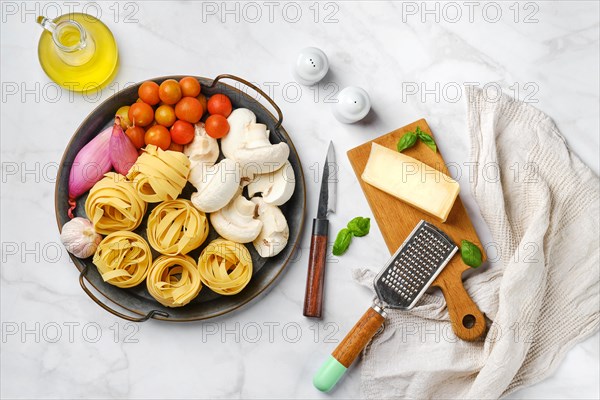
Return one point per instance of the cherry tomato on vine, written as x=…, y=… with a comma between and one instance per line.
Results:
x=159, y=136
x=123, y=113
x=165, y=115
x=141, y=114
x=216, y=126
x=190, y=87
x=219, y=104
x=136, y=135
x=202, y=99
x=176, y=147
x=148, y=92
x=182, y=132
x=189, y=109
x=169, y=91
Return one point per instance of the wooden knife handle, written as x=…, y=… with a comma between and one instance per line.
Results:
x=468, y=322
x=313, y=296
x=349, y=348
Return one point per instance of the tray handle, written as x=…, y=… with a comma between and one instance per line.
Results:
x=259, y=91
x=146, y=317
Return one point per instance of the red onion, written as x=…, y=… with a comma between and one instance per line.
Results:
x=89, y=166
x=123, y=153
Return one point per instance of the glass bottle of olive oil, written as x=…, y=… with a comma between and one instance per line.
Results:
x=78, y=52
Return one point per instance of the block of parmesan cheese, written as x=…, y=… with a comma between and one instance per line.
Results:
x=411, y=181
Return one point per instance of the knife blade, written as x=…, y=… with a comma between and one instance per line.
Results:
x=327, y=195
x=313, y=296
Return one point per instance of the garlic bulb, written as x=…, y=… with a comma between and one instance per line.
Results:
x=79, y=237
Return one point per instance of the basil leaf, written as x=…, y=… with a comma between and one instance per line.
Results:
x=359, y=226
x=342, y=242
x=407, y=140
x=427, y=139
x=470, y=253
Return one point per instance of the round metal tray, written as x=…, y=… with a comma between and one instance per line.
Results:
x=208, y=304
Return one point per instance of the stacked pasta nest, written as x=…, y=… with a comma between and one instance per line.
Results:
x=117, y=204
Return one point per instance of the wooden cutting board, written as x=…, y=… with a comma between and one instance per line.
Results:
x=397, y=219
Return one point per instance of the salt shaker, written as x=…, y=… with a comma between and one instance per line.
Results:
x=353, y=104
x=311, y=66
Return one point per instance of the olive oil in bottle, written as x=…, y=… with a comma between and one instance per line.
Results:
x=78, y=52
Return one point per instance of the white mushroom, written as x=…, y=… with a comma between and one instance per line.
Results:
x=238, y=120
x=219, y=184
x=276, y=187
x=275, y=232
x=203, y=148
x=236, y=221
x=203, y=151
x=258, y=155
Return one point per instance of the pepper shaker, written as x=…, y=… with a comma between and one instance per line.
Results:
x=353, y=104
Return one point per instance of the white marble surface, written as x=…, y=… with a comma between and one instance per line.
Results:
x=553, y=62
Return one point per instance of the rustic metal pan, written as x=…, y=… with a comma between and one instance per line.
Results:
x=208, y=304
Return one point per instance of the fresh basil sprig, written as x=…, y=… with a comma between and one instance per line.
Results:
x=342, y=242
x=470, y=254
x=358, y=227
x=427, y=139
x=409, y=139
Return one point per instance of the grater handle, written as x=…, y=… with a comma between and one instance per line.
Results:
x=468, y=322
x=350, y=347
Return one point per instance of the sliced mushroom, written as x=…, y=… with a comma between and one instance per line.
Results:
x=275, y=232
x=196, y=176
x=259, y=155
x=203, y=148
x=203, y=151
x=238, y=120
x=276, y=187
x=236, y=221
x=219, y=184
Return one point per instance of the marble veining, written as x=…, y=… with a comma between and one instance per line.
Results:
x=56, y=343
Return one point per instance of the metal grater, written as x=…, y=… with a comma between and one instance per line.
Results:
x=412, y=269
x=400, y=284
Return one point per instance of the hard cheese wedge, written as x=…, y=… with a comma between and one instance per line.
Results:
x=411, y=181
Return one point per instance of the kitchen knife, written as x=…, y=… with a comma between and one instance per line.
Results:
x=313, y=296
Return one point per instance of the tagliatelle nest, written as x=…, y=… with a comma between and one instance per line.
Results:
x=113, y=205
x=176, y=227
x=159, y=175
x=174, y=281
x=225, y=266
x=123, y=259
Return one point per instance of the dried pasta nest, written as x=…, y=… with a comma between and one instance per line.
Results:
x=225, y=266
x=123, y=259
x=113, y=205
x=176, y=227
x=159, y=175
x=174, y=281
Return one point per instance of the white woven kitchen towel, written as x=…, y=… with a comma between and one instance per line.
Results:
x=541, y=294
